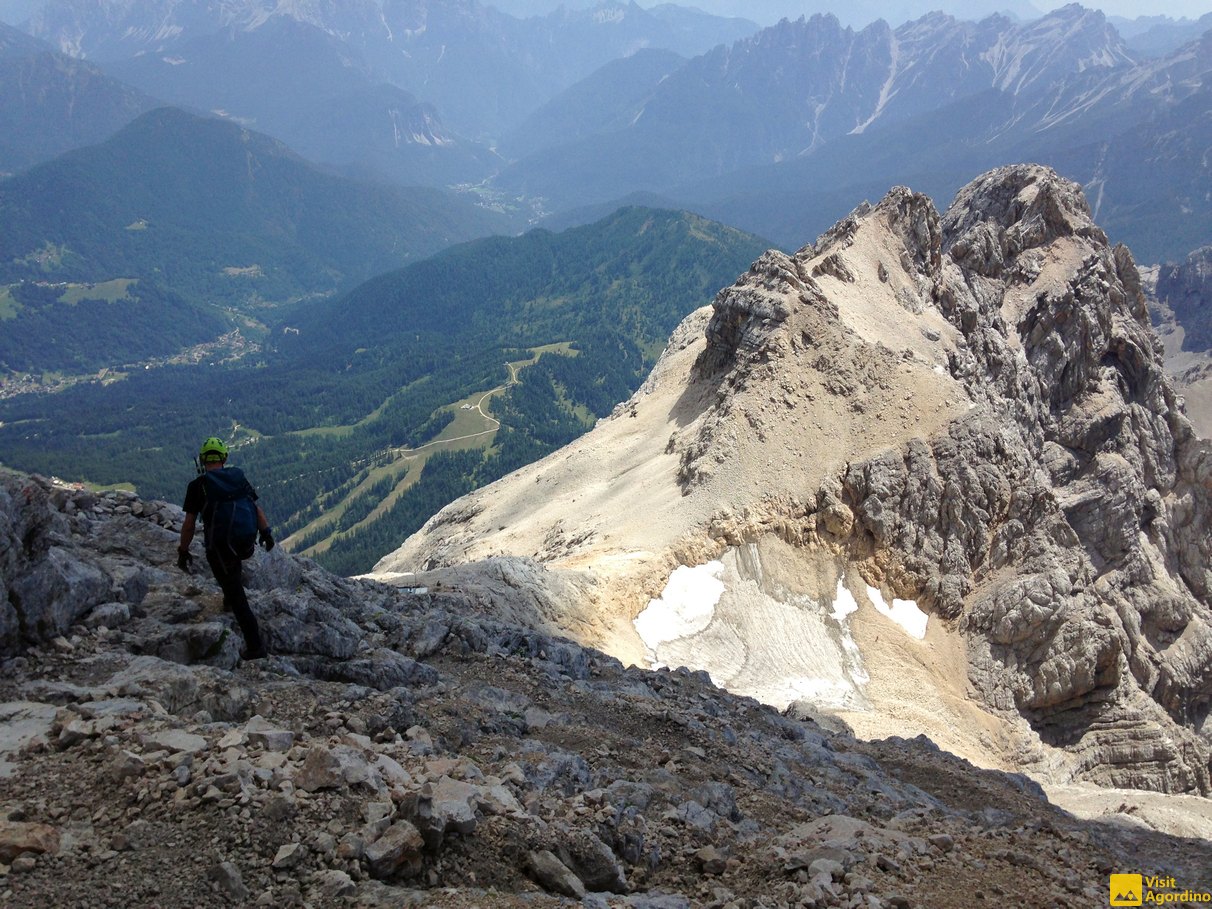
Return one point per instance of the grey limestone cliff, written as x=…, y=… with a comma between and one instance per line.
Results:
x=1062, y=521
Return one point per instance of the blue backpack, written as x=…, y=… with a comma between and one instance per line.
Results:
x=230, y=517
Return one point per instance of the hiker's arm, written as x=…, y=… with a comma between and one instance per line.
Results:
x=265, y=536
x=187, y=531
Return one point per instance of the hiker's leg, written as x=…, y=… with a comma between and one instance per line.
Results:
x=230, y=574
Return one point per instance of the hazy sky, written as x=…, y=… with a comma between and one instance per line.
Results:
x=893, y=11
x=897, y=11
x=1130, y=9
x=14, y=11
x=769, y=11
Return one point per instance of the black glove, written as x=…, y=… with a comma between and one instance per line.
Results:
x=266, y=537
x=184, y=560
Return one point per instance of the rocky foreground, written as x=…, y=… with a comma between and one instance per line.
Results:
x=407, y=749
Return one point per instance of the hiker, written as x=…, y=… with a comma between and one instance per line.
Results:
x=232, y=523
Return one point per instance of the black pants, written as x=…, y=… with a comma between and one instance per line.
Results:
x=229, y=572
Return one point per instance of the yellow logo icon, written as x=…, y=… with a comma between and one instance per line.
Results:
x=1127, y=890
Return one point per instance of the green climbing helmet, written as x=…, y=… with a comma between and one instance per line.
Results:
x=213, y=451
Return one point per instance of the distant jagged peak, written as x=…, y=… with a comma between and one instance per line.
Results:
x=1072, y=39
x=15, y=43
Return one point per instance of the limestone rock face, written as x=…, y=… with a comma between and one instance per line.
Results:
x=965, y=410
x=47, y=581
x=1065, y=522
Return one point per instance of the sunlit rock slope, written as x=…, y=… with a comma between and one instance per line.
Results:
x=926, y=474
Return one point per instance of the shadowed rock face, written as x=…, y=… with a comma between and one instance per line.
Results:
x=969, y=411
x=1187, y=288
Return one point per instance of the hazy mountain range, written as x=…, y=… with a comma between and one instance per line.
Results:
x=483, y=69
x=52, y=103
x=585, y=107
x=811, y=111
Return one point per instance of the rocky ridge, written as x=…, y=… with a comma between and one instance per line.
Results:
x=967, y=411
x=402, y=748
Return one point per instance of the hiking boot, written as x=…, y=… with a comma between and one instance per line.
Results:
x=254, y=653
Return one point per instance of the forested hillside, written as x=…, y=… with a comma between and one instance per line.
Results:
x=195, y=212
x=541, y=334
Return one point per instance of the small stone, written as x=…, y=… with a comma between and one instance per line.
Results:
x=376, y=811
x=351, y=846
x=824, y=866
x=553, y=875
x=174, y=740
x=334, y=884
x=711, y=860
x=886, y=864
x=321, y=770
x=399, y=849
x=942, y=841
x=127, y=765
x=289, y=856
x=228, y=877
x=75, y=732
x=445, y=807
x=265, y=735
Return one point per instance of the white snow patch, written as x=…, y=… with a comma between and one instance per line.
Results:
x=754, y=637
x=844, y=602
x=685, y=607
x=904, y=612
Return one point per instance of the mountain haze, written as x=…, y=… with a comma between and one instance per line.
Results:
x=483, y=70
x=186, y=200
x=307, y=87
x=1156, y=36
x=774, y=130
x=1181, y=310
x=601, y=102
x=52, y=103
x=780, y=132
x=792, y=88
